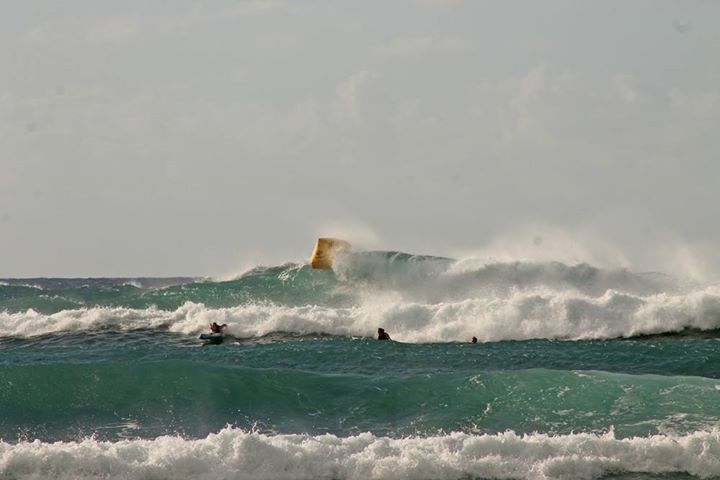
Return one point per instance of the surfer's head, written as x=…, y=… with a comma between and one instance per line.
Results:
x=382, y=335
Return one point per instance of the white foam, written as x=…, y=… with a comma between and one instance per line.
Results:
x=521, y=315
x=23, y=285
x=418, y=299
x=234, y=454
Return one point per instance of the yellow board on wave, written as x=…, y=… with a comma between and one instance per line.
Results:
x=325, y=249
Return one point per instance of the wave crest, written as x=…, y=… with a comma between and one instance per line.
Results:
x=539, y=313
x=415, y=298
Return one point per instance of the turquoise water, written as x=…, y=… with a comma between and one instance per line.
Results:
x=580, y=373
x=143, y=384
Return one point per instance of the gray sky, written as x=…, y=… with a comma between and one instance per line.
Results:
x=190, y=137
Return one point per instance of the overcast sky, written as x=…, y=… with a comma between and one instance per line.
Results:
x=198, y=138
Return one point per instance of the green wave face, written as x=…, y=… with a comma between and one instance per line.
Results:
x=355, y=277
x=194, y=396
x=287, y=284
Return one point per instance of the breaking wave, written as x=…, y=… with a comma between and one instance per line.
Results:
x=415, y=298
x=521, y=315
x=237, y=454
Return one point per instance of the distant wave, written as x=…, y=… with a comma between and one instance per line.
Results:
x=436, y=278
x=415, y=298
x=235, y=454
x=357, y=276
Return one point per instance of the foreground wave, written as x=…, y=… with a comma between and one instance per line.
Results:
x=237, y=454
x=145, y=399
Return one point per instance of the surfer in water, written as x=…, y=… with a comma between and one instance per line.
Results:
x=474, y=340
x=383, y=335
x=215, y=328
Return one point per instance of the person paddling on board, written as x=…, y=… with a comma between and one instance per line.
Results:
x=474, y=340
x=215, y=328
x=383, y=335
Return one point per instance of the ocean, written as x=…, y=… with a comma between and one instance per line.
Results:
x=579, y=373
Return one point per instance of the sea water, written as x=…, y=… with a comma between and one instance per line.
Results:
x=579, y=372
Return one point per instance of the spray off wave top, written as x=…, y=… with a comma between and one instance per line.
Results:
x=415, y=298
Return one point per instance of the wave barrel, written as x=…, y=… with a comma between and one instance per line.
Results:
x=324, y=251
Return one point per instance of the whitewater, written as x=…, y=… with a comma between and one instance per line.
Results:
x=580, y=372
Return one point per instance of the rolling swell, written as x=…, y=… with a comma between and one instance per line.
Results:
x=147, y=399
x=672, y=356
